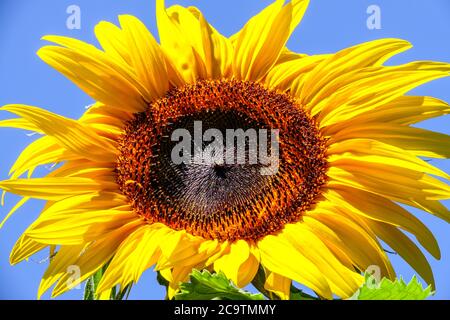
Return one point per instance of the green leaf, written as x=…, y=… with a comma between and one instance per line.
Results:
x=91, y=285
x=89, y=291
x=392, y=290
x=206, y=286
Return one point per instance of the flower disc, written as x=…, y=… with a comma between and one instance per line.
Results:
x=220, y=200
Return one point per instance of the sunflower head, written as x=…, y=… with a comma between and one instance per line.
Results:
x=311, y=210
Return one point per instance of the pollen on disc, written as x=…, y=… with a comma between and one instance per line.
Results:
x=219, y=200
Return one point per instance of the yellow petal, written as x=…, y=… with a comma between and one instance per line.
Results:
x=147, y=57
x=85, y=169
x=59, y=265
x=135, y=255
x=403, y=110
x=218, y=51
x=298, y=11
x=19, y=123
x=69, y=133
x=398, y=189
x=288, y=55
x=222, y=249
x=105, y=295
x=395, y=183
x=363, y=55
x=186, y=63
x=100, y=113
x=378, y=208
x=178, y=275
x=24, y=248
x=260, y=43
x=343, y=282
x=13, y=210
x=209, y=247
x=55, y=188
x=421, y=142
x=105, y=121
x=283, y=74
x=87, y=202
x=279, y=285
x=214, y=50
x=274, y=252
x=332, y=241
x=95, y=256
x=370, y=89
x=98, y=76
x=431, y=206
x=401, y=244
x=367, y=253
x=372, y=151
x=177, y=247
x=79, y=228
x=240, y=265
x=113, y=41
x=44, y=150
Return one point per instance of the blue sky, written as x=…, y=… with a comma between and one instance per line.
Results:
x=328, y=26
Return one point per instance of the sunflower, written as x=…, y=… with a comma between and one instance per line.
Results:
x=349, y=158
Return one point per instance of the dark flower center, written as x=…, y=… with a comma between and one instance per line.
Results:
x=223, y=160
